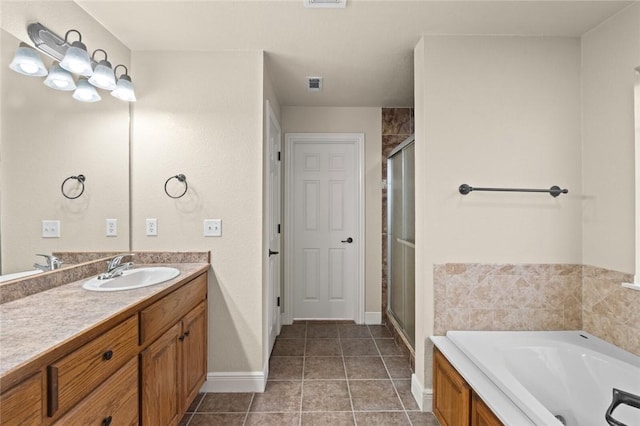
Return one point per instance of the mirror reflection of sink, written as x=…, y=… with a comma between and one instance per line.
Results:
x=133, y=278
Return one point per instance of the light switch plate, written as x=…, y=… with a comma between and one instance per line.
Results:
x=212, y=227
x=50, y=229
x=152, y=227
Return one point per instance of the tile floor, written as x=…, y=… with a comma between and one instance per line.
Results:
x=323, y=373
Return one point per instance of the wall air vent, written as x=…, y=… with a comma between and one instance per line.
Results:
x=314, y=84
x=325, y=3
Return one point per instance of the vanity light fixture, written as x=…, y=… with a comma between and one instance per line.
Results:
x=103, y=76
x=26, y=61
x=59, y=78
x=124, y=88
x=76, y=59
x=86, y=92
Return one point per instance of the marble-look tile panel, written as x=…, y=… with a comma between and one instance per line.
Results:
x=396, y=121
x=609, y=310
x=507, y=297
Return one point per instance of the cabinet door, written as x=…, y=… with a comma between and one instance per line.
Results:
x=481, y=415
x=452, y=395
x=23, y=404
x=161, y=375
x=194, y=352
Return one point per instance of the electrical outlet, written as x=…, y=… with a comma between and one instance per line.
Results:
x=50, y=229
x=152, y=227
x=212, y=227
x=112, y=228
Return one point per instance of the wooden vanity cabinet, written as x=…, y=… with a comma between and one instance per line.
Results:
x=24, y=403
x=454, y=401
x=173, y=367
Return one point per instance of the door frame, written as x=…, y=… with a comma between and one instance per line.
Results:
x=357, y=139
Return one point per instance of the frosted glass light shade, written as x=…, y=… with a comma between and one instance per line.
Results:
x=86, y=92
x=60, y=79
x=103, y=76
x=26, y=61
x=124, y=89
x=77, y=60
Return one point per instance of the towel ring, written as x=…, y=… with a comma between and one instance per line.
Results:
x=181, y=178
x=80, y=179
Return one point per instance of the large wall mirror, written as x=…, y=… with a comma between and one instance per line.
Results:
x=46, y=137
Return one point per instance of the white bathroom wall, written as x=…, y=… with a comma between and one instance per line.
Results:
x=47, y=136
x=610, y=52
x=200, y=114
x=353, y=120
x=494, y=112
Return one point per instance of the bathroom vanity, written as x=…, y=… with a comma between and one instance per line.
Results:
x=126, y=358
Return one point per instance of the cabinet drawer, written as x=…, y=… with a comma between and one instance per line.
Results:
x=167, y=311
x=74, y=376
x=23, y=404
x=115, y=402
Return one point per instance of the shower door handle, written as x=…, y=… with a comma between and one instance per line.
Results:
x=348, y=240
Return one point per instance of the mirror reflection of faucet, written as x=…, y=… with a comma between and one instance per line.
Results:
x=52, y=263
x=115, y=267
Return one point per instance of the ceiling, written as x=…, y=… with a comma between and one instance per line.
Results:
x=364, y=51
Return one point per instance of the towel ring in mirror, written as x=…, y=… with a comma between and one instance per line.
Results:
x=181, y=178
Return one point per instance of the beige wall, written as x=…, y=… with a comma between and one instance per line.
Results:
x=610, y=52
x=498, y=112
x=48, y=136
x=201, y=114
x=353, y=120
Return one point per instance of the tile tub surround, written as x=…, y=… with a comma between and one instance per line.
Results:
x=86, y=264
x=323, y=373
x=610, y=311
x=507, y=297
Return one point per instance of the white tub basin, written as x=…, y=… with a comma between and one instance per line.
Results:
x=133, y=278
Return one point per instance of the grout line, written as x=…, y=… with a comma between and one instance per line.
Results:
x=246, y=415
x=404, y=409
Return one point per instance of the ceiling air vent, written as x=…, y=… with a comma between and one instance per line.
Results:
x=325, y=3
x=314, y=84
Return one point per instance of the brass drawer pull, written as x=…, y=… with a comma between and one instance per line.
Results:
x=107, y=356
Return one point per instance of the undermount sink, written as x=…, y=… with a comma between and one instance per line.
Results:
x=133, y=278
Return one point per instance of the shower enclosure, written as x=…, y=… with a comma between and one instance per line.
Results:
x=401, y=237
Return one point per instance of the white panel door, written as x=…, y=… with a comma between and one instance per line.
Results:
x=325, y=229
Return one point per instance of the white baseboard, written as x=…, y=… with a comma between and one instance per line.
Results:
x=252, y=381
x=373, y=318
x=424, y=397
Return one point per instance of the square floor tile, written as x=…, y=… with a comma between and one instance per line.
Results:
x=315, y=331
x=379, y=331
x=323, y=347
x=288, y=347
x=325, y=395
x=352, y=331
x=293, y=331
x=374, y=395
x=217, y=419
x=285, y=368
x=357, y=347
x=423, y=419
x=279, y=396
x=388, y=347
x=324, y=367
x=225, y=403
x=404, y=391
x=398, y=367
x=382, y=418
x=195, y=402
x=273, y=419
x=328, y=418
x=370, y=367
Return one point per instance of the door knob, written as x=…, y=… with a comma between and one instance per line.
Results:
x=348, y=240
x=271, y=252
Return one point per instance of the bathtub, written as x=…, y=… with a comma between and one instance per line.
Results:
x=555, y=377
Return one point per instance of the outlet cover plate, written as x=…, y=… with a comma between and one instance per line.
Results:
x=50, y=229
x=112, y=228
x=152, y=227
x=212, y=227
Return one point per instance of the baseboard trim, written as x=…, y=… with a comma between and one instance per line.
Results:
x=424, y=397
x=373, y=318
x=252, y=381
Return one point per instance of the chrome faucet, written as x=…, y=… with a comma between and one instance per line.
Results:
x=53, y=263
x=115, y=267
